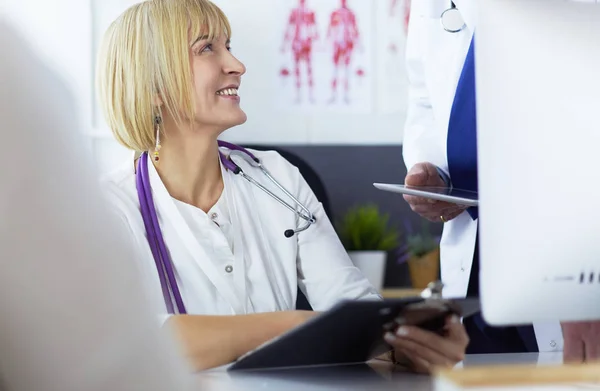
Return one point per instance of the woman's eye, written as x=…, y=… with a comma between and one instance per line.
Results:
x=207, y=48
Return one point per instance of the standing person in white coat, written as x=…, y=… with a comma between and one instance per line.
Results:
x=73, y=315
x=440, y=150
x=212, y=243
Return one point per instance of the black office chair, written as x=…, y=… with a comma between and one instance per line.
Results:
x=316, y=185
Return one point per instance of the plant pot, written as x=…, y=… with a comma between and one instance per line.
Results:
x=371, y=264
x=425, y=269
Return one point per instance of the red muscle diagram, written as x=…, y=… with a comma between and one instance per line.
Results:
x=393, y=6
x=404, y=15
x=326, y=54
x=343, y=33
x=301, y=32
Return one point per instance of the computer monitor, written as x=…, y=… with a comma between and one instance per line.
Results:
x=538, y=96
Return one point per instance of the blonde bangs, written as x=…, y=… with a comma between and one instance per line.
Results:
x=146, y=54
x=207, y=19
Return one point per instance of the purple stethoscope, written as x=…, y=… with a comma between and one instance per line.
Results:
x=156, y=241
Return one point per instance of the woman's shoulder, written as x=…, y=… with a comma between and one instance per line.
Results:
x=273, y=160
x=120, y=175
x=119, y=183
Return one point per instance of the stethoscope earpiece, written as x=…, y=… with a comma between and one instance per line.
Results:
x=288, y=233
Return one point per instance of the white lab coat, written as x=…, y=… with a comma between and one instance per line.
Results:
x=434, y=62
x=215, y=281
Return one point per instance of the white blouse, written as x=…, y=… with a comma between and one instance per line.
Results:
x=235, y=259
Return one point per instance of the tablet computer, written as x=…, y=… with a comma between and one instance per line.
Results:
x=351, y=332
x=452, y=195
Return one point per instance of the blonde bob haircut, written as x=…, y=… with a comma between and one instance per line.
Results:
x=145, y=59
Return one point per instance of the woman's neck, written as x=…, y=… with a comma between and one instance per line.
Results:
x=190, y=169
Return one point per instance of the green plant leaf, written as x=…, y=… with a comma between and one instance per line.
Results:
x=364, y=228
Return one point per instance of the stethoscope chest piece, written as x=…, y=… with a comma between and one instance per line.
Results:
x=452, y=20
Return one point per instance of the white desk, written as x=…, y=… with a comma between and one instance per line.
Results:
x=377, y=376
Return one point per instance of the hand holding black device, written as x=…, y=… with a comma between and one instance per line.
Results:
x=352, y=332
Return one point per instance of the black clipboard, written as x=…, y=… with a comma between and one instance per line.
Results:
x=351, y=332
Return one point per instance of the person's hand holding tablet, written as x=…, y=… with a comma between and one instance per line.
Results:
x=426, y=174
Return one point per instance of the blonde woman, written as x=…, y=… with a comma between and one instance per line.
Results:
x=224, y=245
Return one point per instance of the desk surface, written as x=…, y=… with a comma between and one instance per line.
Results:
x=395, y=293
x=375, y=376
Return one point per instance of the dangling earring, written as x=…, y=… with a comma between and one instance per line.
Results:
x=157, y=121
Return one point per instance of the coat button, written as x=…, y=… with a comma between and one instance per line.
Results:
x=228, y=268
x=214, y=216
x=553, y=343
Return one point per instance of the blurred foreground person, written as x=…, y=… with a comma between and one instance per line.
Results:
x=72, y=315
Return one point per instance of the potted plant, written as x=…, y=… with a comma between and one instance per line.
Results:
x=422, y=252
x=367, y=236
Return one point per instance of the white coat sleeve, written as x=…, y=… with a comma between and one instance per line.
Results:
x=420, y=143
x=326, y=273
x=71, y=315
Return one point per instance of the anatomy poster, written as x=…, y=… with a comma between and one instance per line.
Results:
x=326, y=55
x=392, y=23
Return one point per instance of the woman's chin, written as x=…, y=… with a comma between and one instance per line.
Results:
x=243, y=118
x=232, y=122
x=239, y=119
